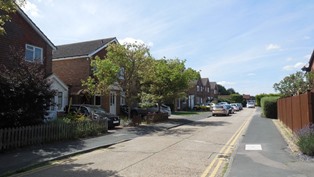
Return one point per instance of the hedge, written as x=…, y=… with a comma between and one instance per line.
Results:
x=269, y=107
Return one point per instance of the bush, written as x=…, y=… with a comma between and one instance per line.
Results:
x=82, y=125
x=269, y=107
x=24, y=92
x=306, y=140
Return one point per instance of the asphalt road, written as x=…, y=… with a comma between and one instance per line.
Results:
x=191, y=149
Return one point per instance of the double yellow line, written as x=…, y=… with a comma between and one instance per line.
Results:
x=226, y=149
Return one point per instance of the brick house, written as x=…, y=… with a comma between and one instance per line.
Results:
x=23, y=36
x=198, y=94
x=71, y=63
x=214, y=90
x=206, y=90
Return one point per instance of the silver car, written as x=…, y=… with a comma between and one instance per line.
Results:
x=220, y=109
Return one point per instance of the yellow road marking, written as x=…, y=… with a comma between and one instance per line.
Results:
x=224, y=151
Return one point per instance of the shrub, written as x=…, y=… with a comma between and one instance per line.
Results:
x=269, y=107
x=24, y=92
x=306, y=140
x=82, y=125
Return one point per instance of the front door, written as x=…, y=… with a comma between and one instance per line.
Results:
x=113, y=101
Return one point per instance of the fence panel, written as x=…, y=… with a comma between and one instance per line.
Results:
x=33, y=135
x=296, y=112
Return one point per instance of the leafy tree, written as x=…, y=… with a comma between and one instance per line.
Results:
x=295, y=84
x=105, y=73
x=6, y=8
x=168, y=79
x=125, y=65
x=24, y=93
x=231, y=91
x=236, y=98
x=222, y=90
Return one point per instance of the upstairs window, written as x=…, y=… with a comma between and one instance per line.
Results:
x=33, y=53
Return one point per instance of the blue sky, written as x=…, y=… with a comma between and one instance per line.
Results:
x=247, y=45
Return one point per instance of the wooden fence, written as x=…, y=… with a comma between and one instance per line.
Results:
x=11, y=138
x=296, y=112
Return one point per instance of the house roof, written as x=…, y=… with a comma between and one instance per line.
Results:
x=213, y=84
x=205, y=81
x=81, y=49
x=33, y=25
x=310, y=62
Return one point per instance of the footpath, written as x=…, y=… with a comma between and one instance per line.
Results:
x=263, y=151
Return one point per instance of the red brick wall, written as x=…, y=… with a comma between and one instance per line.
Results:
x=72, y=71
x=18, y=34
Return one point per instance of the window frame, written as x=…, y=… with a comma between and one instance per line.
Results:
x=33, y=50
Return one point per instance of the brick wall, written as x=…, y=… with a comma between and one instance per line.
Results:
x=18, y=34
x=72, y=71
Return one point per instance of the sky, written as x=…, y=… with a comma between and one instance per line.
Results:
x=247, y=45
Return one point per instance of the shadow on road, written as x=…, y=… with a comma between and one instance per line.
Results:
x=74, y=169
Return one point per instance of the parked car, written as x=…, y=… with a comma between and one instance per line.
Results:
x=163, y=108
x=240, y=106
x=134, y=111
x=144, y=111
x=235, y=106
x=250, y=105
x=220, y=109
x=230, y=108
x=96, y=113
x=223, y=103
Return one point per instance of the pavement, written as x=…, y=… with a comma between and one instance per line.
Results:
x=269, y=153
x=263, y=151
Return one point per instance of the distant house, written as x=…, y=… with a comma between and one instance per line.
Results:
x=206, y=90
x=214, y=90
x=22, y=35
x=71, y=63
x=198, y=94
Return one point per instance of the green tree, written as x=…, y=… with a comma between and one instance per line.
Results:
x=6, y=8
x=222, y=90
x=236, y=98
x=295, y=84
x=231, y=91
x=168, y=79
x=25, y=94
x=105, y=73
x=125, y=65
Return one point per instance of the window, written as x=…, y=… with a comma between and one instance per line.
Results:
x=198, y=88
x=97, y=100
x=60, y=99
x=122, y=98
x=33, y=53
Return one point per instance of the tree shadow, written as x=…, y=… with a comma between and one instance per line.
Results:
x=73, y=169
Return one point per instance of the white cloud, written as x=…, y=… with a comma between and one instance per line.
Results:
x=31, y=9
x=226, y=83
x=251, y=74
x=272, y=47
x=132, y=40
x=298, y=65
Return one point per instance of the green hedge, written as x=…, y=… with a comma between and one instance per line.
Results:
x=269, y=107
